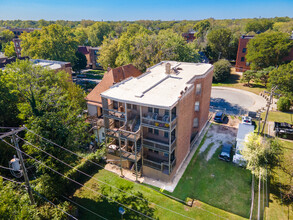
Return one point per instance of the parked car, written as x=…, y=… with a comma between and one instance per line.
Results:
x=219, y=117
x=246, y=120
x=226, y=152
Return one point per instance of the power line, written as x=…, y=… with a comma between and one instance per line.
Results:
x=103, y=181
x=6, y=168
x=11, y=180
x=78, y=182
x=84, y=207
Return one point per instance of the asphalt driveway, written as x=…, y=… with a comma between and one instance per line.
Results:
x=235, y=101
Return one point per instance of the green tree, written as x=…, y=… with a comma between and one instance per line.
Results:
x=80, y=62
x=9, y=50
x=97, y=32
x=53, y=42
x=219, y=41
x=284, y=104
x=108, y=53
x=248, y=76
x=201, y=29
x=259, y=25
x=222, y=70
x=268, y=49
x=5, y=37
x=263, y=75
x=51, y=106
x=282, y=77
x=261, y=154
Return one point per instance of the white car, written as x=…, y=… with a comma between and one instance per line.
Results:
x=246, y=120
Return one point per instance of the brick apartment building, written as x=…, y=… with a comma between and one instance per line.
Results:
x=91, y=54
x=94, y=100
x=152, y=121
x=241, y=64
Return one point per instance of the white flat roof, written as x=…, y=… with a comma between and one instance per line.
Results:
x=243, y=131
x=155, y=87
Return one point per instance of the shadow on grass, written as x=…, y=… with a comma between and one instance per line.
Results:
x=283, y=193
x=233, y=79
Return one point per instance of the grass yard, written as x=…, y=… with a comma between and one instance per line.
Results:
x=279, y=116
x=109, y=210
x=279, y=208
x=234, y=82
x=217, y=183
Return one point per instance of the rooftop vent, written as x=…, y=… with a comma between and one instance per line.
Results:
x=168, y=68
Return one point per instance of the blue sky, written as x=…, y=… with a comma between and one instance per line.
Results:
x=137, y=9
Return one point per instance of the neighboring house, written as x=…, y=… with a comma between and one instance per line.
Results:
x=17, y=47
x=94, y=101
x=241, y=64
x=55, y=65
x=18, y=31
x=189, y=36
x=153, y=121
x=243, y=131
x=5, y=60
x=91, y=54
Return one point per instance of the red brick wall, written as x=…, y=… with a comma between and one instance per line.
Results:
x=240, y=66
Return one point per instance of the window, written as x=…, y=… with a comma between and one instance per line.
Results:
x=115, y=105
x=166, y=112
x=244, y=50
x=129, y=106
x=242, y=59
x=166, y=155
x=198, y=89
x=166, y=134
x=134, y=107
x=196, y=106
x=150, y=130
x=156, y=110
x=195, y=122
x=150, y=109
x=103, y=134
x=156, y=131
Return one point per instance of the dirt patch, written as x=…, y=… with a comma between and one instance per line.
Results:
x=217, y=134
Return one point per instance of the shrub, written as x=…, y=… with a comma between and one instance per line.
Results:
x=221, y=70
x=283, y=104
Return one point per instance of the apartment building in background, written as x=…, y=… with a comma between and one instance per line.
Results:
x=152, y=121
x=94, y=101
x=241, y=64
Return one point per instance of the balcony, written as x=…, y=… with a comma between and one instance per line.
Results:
x=155, y=121
x=159, y=164
x=114, y=114
x=159, y=145
x=127, y=152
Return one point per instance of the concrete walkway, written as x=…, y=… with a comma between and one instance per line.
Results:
x=170, y=186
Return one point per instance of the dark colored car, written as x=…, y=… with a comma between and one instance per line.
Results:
x=219, y=117
x=226, y=152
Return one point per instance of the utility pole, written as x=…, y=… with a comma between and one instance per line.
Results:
x=268, y=107
x=28, y=188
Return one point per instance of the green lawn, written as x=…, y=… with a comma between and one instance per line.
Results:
x=109, y=210
x=279, y=116
x=234, y=82
x=279, y=208
x=217, y=183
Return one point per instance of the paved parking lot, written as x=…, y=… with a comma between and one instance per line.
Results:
x=235, y=101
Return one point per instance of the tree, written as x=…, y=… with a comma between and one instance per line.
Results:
x=282, y=77
x=201, y=29
x=53, y=42
x=261, y=154
x=221, y=70
x=50, y=106
x=259, y=25
x=108, y=53
x=247, y=76
x=80, y=62
x=5, y=37
x=9, y=50
x=97, y=32
x=283, y=104
x=263, y=75
x=219, y=41
x=268, y=49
